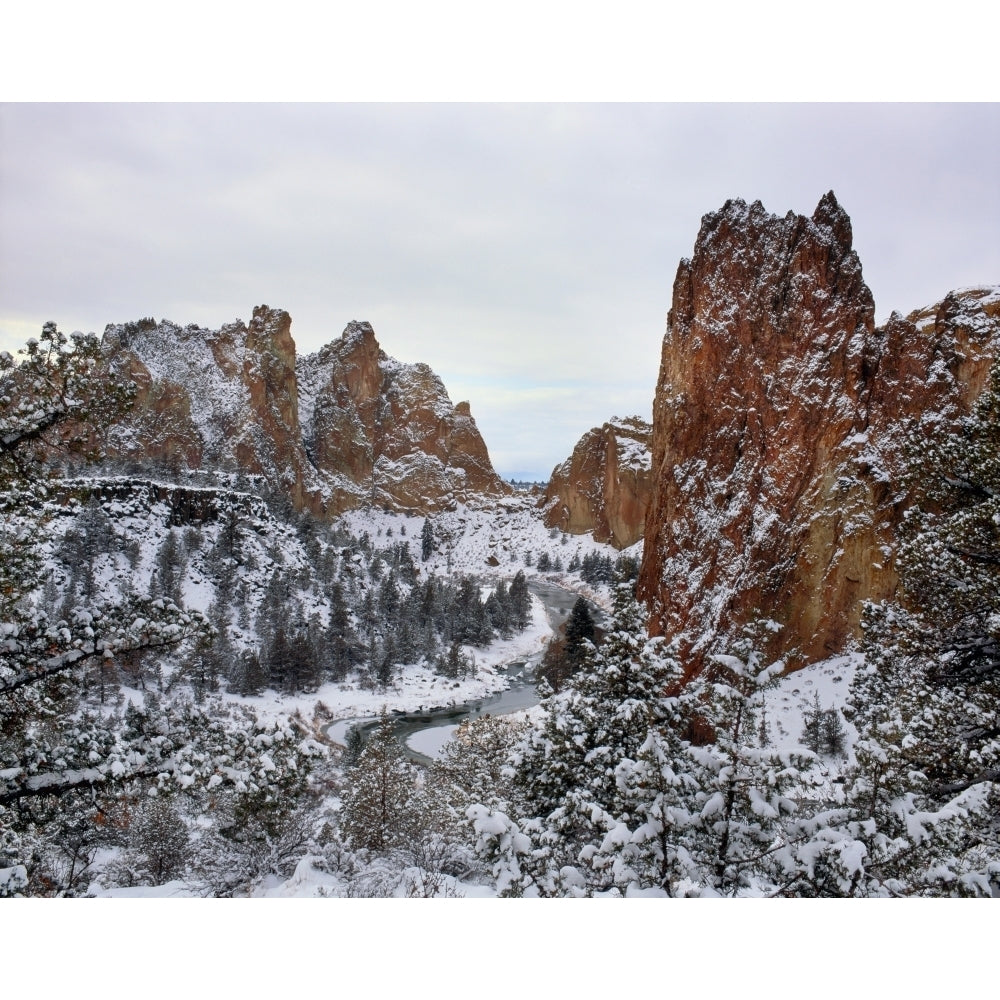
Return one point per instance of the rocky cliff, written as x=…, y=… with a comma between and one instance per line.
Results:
x=390, y=427
x=778, y=422
x=337, y=429
x=605, y=486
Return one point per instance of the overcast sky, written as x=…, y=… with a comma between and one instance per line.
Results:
x=525, y=252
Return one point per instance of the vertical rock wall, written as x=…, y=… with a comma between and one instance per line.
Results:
x=777, y=424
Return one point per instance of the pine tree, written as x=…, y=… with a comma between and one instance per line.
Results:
x=354, y=744
x=744, y=796
x=170, y=565
x=579, y=632
x=380, y=803
x=342, y=640
x=812, y=733
x=833, y=736
x=426, y=540
x=520, y=601
x=891, y=828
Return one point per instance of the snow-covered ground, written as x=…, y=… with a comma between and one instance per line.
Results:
x=489, y=542
x=794, y=695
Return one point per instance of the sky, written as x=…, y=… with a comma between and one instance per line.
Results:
x=526, y=252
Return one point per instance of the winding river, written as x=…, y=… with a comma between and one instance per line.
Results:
x=520, y=693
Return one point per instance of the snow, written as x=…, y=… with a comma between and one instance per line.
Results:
x=430, y=742
x=788, y=702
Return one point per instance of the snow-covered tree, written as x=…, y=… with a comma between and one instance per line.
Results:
x=745, y=792
x=380, y=803
x=566, y=773
x=892, y=827
x=520, y=601
x=426, y=540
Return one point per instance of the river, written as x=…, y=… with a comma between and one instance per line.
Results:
x=417, y=727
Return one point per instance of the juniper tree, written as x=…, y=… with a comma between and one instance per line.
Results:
x=380, y=803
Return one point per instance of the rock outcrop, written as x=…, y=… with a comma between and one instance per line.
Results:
x=605, y=486
x=778, y=423
x=334, y=430
x=390, y=427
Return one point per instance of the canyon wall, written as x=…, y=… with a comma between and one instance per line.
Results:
x=778, y=426
x=605, y=486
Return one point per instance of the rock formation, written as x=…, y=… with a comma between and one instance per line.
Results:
x=778, y=423
x=390, y=427
x=605, y=486
x=334, y=430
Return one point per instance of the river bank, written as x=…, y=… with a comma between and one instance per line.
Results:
x=423, y=730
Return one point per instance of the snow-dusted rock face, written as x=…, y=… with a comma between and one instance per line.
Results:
x=214, y=398
x=390, y=427
x=605, y=486
x=777, y=426
x=336, y=429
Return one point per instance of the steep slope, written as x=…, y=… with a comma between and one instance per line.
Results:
x=777, y=429
x=605, y=486
x=366, y=428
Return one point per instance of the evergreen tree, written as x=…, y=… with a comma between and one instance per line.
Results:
x=566, y=785
x=579, y=632
x=387, y=662
x=343, y=643
x=716, y=815
x=833, y=736
x=158, y=845
x=520, y=601
x=891, y=827
x=812, y=733
x=381, y=802
x=426, y=540
x=354, y=744
x=170, y=565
